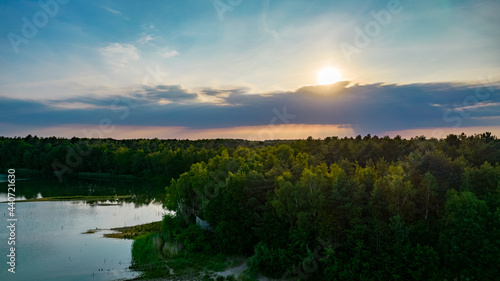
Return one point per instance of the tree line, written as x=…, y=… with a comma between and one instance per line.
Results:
x=363, y=208
x=348, y=209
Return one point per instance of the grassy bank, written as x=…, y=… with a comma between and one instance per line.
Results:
x=158, y=254
x=156, y=258
x=132, y=232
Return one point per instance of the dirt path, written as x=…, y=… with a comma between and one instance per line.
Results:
x=235, y=271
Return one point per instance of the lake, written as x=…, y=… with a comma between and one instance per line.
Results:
x=50, y=239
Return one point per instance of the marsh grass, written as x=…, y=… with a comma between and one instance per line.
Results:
x=133, y=232
x=187, y=263
x=146, y=258
x=90, y=231
x=171, y=249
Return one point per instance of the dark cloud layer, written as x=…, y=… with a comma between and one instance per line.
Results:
x=367, y=108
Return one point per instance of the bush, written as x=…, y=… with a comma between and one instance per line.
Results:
x=146, y=255
x=171, y=249
x=144, y=250
x=195, y=239
x=247, y=275
x=171, y=225
x=271, y=262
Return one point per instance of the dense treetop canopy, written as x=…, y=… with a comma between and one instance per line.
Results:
x=364, y=208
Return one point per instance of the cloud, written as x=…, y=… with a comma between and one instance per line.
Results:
x=145, y=38
x=167, y=54
x=112, y=11
x=74, y=105
x=324, y=89
x=119, y=55
x=148, y=27
x=263, y=21
x=172, y=93
x=480, y=105
x=373, y=108
x=289, y=131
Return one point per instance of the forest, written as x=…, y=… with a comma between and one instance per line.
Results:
x=363, y=208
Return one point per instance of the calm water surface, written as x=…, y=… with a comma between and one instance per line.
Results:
x=50, y=244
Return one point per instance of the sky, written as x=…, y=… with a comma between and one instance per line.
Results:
x=249, y=68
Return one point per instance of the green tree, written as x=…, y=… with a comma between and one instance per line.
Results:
x=398, y=191
x=465, y=244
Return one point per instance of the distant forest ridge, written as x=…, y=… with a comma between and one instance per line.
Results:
x=169, y=158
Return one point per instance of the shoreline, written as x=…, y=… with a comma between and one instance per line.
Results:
x=132, y=232
x=76, y=198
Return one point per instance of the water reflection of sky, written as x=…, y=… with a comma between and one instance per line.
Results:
x=50, y=244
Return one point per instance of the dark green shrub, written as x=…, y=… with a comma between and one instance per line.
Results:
x=195, y=239
x=171, y=225
x=144, y=251
x=271, y=262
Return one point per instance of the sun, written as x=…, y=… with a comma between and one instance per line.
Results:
x=328, y=75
